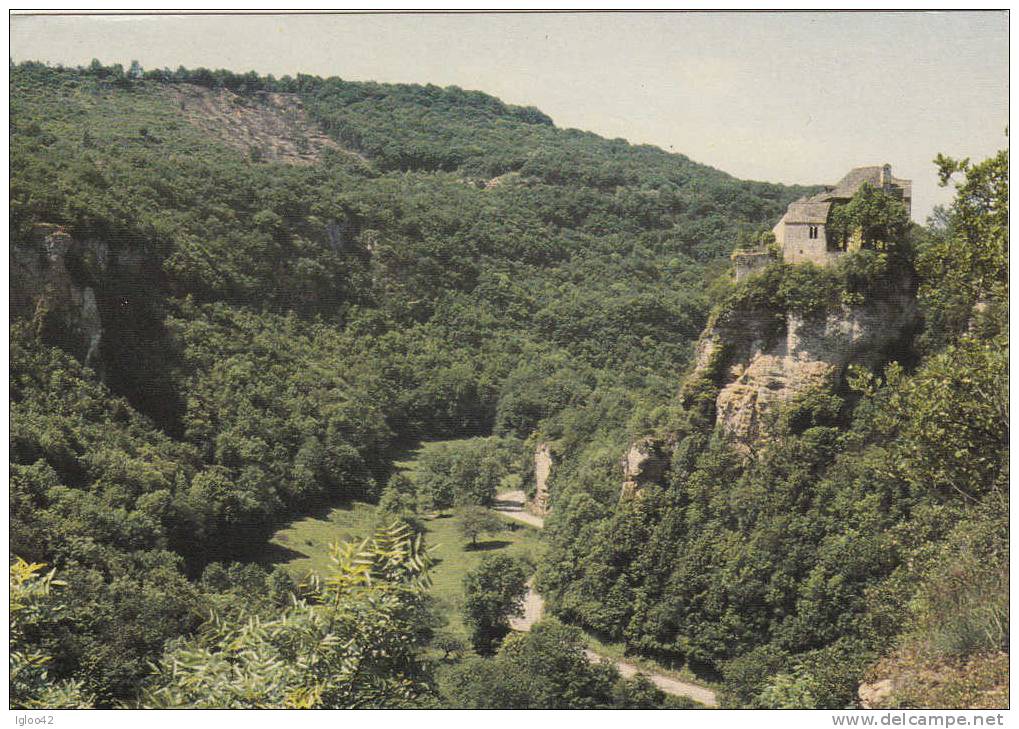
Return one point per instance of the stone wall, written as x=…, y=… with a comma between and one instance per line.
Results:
x=747, y=262
x=799, y=247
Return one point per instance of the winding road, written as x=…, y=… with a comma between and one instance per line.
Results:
x=511, y=503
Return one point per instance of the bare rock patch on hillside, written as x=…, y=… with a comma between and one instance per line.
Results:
x=271, y=127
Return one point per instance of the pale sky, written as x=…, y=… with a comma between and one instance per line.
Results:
x=784, y=97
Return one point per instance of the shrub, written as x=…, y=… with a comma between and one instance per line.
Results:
x=493, y=593
x=466, y=473
x=477, y=520
x=745, y=677
x=962, y=607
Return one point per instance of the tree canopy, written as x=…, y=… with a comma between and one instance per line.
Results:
x=214, y=332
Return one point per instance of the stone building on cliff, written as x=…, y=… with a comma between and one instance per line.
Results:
x=802, y=235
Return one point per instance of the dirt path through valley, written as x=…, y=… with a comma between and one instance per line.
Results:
x=511, y=503
x=666, y=684
x=534, y=606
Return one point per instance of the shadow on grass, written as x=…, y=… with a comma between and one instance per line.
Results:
x=273, y=553
x=403, y=451
x=322, y=508
x=488, y=546
x=316, y=509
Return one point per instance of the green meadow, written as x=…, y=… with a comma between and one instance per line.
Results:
x=304, y=545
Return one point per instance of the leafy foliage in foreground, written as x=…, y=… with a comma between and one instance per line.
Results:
x=351, y=641
x=32, y=609
x=493, y=593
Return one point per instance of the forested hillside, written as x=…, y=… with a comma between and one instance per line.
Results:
x=865, y=515
x=236, y=298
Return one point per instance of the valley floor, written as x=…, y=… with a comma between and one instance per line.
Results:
x=304, y=546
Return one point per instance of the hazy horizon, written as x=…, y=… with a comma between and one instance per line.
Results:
x=792, y=97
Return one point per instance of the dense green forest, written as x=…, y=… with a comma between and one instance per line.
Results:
x=875, y=515
x=278, y=313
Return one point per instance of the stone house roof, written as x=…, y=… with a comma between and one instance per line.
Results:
x=854, y=180
x=880, y=176
x=808, y=210
x=814, y=210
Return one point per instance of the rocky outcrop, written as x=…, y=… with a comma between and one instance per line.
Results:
x=48, y=284
x=758, y=362
x=273, y=127
x=646, y=461
x=543, y=464
x=874, y=695
x=101, y=300
x=64, y=285
x=911, y=679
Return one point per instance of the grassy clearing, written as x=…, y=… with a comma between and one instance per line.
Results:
x=303, y=545
x=454, y=560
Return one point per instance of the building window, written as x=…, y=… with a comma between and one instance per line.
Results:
x=813, y=232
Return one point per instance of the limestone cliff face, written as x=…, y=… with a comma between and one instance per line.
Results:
x=646, y=461
x=749, y=363
x=57, y=281
x=760, y=363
